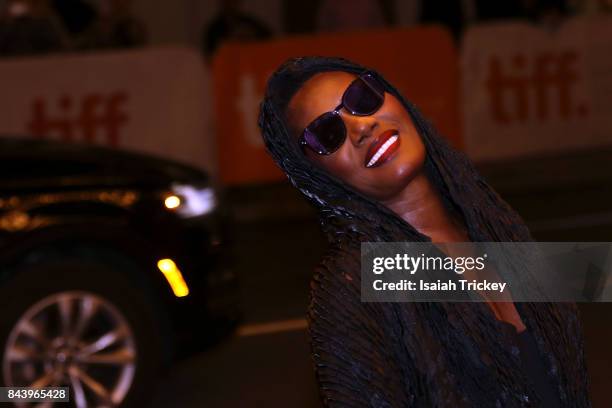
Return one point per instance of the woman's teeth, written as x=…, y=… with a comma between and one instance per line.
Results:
x=382, y=150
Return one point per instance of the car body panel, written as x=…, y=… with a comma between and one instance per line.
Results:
x=61, y=199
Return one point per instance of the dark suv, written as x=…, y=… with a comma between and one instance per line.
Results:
x=109, y=263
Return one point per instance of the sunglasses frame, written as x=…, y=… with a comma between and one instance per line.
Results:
x=336, y=113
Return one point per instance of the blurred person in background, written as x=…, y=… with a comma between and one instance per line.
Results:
x=456, y=15
x=345, y=15
x=603, y=5
x=548, y=13
x=115, y=27
x=453, y=14
x=231, y=23
x=76, y=16
x=487, y=10
x=30, y=27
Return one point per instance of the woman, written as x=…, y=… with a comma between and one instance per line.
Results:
x=376, y=170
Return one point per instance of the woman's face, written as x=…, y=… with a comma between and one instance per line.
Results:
x=353, y=162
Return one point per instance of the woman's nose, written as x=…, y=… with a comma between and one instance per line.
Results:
x=360, y=128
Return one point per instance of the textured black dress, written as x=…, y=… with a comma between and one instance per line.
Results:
x=418, y=354
x=536, y=370
x=437, y=354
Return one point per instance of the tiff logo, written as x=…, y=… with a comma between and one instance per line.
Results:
x=81, y=119
x=545, y=80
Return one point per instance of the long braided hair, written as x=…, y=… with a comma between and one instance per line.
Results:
x=345, y=212
x=343, y=208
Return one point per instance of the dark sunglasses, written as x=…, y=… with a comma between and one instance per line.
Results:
x=324, y=135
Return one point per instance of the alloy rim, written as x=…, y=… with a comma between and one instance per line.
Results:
x=76, y=339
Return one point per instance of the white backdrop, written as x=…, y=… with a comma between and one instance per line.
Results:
x=527, y=90
x=154, y=101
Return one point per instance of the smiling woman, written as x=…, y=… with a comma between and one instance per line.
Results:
x=383, y=150
x=377, y=171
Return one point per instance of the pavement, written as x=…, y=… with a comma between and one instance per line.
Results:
x=267, y=361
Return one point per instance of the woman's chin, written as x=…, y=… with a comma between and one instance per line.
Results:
x=393, y=177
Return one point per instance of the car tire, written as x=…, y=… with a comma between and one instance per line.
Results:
x=118, y=298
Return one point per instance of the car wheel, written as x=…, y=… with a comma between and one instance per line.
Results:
x=83, y=325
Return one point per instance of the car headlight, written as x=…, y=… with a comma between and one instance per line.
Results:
x=191, y=201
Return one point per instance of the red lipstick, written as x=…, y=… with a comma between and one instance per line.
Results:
x=382, y=148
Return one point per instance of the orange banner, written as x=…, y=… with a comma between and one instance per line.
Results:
x=421, y=62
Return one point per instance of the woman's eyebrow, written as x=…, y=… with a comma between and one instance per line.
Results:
x=337, y=106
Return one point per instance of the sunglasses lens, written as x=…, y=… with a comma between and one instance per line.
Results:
x=326, y=134
x=364, y=96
